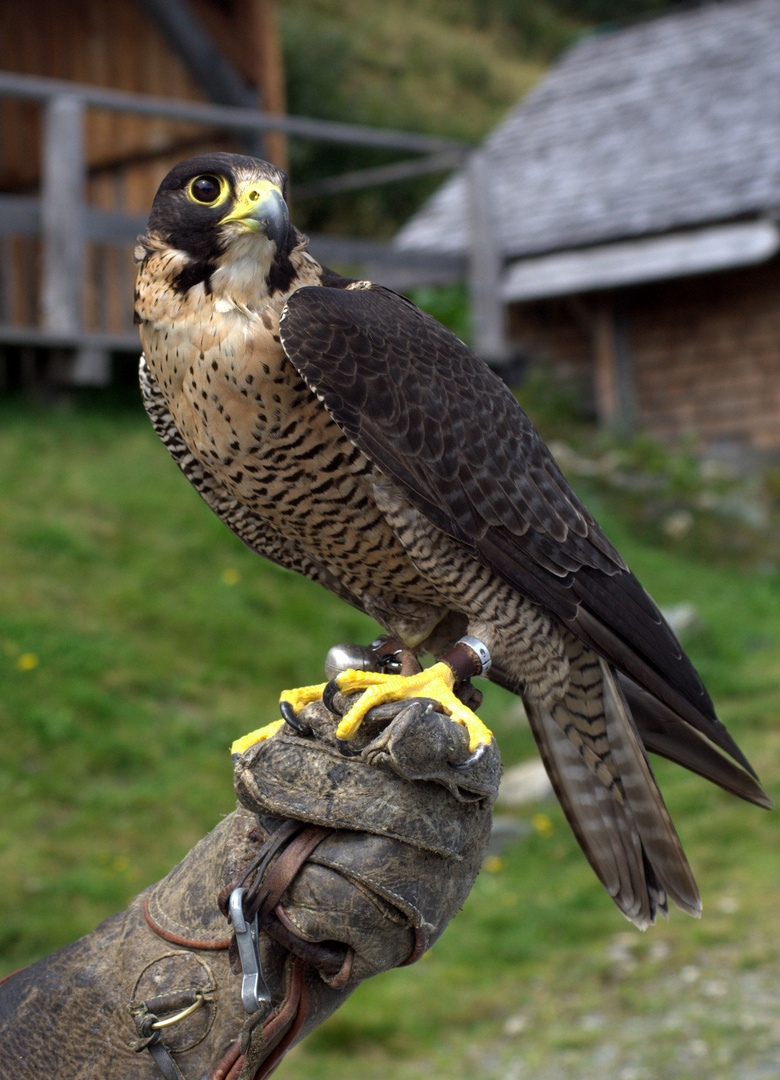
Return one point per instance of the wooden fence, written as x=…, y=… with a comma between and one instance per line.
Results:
x=62, y=229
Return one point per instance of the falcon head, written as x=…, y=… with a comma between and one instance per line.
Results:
x=226, y=218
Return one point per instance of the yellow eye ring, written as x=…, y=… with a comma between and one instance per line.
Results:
x=207, y=190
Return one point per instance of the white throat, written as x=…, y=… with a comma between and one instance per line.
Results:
x=242, y=274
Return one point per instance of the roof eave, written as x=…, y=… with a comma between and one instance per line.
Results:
x=672, y=255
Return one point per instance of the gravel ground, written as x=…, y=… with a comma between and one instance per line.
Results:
x=709, y=1020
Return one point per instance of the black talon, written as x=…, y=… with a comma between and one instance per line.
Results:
x=329, y=693
x=289, y=717
x=473, y=759
x=345, y=749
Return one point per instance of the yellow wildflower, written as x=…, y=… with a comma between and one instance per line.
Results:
x=542, y=824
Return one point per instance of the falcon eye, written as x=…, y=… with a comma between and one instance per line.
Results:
x=205, y=189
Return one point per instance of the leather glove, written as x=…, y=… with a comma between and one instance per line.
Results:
x=331, y=869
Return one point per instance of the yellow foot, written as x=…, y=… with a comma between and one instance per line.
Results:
x=240, y=746
x=290, y=703
x=300, y=697
x=435, y=682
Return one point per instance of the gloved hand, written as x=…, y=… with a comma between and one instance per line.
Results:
x=335, y=868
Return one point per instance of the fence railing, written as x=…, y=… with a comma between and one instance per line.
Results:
x=60, y=219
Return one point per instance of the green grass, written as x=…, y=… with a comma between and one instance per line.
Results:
x=138, y=637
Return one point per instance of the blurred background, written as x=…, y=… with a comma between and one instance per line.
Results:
x=586, y=191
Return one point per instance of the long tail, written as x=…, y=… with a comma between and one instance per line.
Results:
x=663, y=732
x=599, y=770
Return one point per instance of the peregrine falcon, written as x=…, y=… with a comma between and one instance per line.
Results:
x=345, y=434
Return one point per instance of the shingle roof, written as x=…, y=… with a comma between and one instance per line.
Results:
x=671, y=124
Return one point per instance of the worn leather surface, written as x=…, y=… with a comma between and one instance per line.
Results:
x=373, y=790
x=69, y=1015
x=401, y=859
x=423, y=823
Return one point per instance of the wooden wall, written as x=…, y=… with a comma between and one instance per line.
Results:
x=556, y=335
x=706, y=355
x=704, y=352
x=111, y=44
x=108, y=43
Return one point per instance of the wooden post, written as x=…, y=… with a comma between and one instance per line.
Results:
x=270, y=75
x=613, y=369
x=486, y=264
x=62, y=214
x=63, y=227
x=626, y=386
x=604, y=374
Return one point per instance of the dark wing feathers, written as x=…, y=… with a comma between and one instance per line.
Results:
x=368, y=378
x=442, y=426
x=662, y=733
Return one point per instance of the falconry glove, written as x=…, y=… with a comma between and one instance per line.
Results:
x=332, y=869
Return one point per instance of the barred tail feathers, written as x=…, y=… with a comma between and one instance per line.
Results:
x=600, y=772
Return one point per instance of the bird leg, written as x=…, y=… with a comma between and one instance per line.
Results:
x=468, y=657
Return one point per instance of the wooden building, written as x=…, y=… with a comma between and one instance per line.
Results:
x=635, y=196
x=98, y=100
x=78, y=294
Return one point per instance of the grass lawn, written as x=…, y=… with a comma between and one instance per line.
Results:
x=138, y=637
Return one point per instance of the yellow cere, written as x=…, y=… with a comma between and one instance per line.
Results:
x=251, y=193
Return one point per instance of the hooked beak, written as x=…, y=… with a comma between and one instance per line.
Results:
x=260, y=207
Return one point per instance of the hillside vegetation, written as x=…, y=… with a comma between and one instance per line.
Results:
x=443, y=67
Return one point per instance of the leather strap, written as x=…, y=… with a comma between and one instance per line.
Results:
x=334, y=964
x=279, y=1031
x=175, y=939
x=463, y=661
x=164, y=1061
x=285, y=869
x=269, y=875
x=150, y=1039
